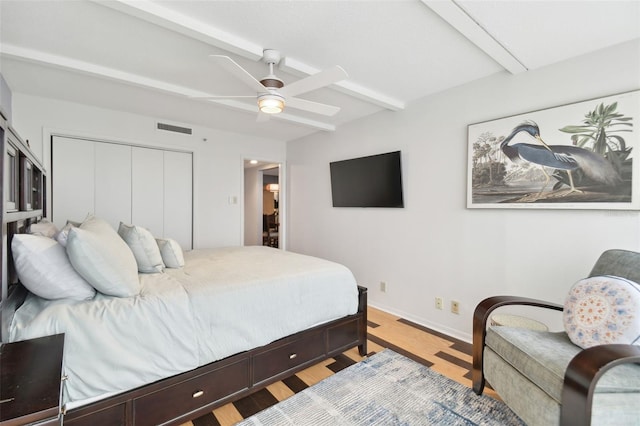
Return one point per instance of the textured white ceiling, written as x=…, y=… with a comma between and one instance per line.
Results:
x=540, y=33
x=147, y=57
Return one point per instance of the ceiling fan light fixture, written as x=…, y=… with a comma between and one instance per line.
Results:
x=271, y=103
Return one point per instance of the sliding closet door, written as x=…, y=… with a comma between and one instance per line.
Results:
x=178, y=200
x=147, y=168
x=113, y=183
x=72, y=180
x=148, y=187
x=162, y=193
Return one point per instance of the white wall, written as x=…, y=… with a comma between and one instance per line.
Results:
x=435, y=246
x=218, y=156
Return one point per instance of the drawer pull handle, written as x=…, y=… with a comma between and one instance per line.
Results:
x=198, y=394
x=293, y=356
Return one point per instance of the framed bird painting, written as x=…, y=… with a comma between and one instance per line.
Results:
x=577, y=156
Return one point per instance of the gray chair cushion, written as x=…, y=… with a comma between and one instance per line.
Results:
x=542, y=357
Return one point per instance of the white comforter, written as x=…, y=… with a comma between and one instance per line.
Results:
x=223, y=301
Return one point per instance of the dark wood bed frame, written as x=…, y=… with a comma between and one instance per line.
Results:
x=185, y=396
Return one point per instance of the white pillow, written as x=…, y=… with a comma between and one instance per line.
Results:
x=602, y=310
x=99, y=254
x=63, y=235
x=171, y=252
x=43, y=228
x=44, y=269
x=143, y=246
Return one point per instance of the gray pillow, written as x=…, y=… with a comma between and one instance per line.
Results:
x=171, y=252
x=143, y=246
x=98, y=253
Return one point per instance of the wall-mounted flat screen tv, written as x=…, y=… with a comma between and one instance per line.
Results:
x=373, y=181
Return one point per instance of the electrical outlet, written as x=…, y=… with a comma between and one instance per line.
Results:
x=439, y=302
x=383, y=286
x=455, y=307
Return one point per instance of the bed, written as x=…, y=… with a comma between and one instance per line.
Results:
x=226, y=324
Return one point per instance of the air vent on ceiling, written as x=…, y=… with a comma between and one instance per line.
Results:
x=172, y=128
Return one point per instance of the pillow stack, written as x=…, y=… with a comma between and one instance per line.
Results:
x=152, y=254
x=84, y=257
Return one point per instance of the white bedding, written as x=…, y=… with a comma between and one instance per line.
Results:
x=222, y=302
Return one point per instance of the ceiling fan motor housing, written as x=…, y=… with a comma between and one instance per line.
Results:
x=272, y=82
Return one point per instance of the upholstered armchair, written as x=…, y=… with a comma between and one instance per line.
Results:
x=547, y=379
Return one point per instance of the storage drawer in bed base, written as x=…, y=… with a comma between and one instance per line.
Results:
x=186, y=396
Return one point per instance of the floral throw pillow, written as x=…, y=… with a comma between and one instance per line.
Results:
x=602, y=310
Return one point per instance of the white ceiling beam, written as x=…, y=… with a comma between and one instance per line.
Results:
x=171, y=20
x=47, y=59
x=300, y=69
x=459, y=19
x=185, y=25
x=305, y=121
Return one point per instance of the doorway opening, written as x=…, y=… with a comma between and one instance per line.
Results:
x=263, y=204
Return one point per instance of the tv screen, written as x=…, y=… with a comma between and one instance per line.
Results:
x=373, y=181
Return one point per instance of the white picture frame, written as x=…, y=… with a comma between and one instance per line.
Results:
x=509, y=172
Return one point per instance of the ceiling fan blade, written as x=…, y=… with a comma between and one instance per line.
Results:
x=224, y=97
x=311, y=106
x=239, y=72
x=315, y=81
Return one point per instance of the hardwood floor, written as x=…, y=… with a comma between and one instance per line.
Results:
x=448, y=356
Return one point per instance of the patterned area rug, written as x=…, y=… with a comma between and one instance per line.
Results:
x=386, y=389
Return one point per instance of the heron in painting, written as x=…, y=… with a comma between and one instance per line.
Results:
x=560, y=157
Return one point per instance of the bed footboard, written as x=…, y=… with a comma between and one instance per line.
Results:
x=186, y=396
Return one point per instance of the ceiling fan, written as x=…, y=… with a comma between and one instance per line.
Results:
x=273, y=95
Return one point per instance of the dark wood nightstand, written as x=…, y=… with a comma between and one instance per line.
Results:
x=30, y=381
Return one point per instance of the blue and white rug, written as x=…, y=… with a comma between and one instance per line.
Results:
x=386, y=389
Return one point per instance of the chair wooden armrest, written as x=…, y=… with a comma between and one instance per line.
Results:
x=480, y=318
x=582, y=375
